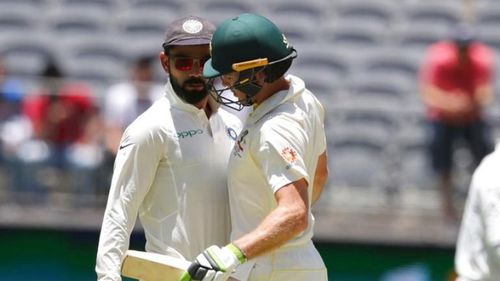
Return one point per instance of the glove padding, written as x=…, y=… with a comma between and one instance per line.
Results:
x=214, y=264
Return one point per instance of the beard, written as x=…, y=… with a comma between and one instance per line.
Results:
x=189, y=96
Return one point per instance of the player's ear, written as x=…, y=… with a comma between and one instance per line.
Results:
x=164, y=60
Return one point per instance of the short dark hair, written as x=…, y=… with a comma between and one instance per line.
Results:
x=52, y=69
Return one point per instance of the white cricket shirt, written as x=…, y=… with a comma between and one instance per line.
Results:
x=477, y=254
x=279, y=144
x=171, y=171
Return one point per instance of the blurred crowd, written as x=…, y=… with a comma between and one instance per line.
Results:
x=59, y=139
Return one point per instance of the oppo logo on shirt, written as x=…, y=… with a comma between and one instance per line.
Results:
x=189, y=134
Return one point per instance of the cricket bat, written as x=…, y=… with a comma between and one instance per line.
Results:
x=153, y=267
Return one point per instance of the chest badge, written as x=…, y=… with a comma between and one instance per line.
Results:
x=289, y=155
x=232, y=133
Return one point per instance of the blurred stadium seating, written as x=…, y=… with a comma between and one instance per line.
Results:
x=376, y=12
x=445, y=12
x=361, y=57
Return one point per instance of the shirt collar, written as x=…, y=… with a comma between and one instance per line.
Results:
x=296, y=87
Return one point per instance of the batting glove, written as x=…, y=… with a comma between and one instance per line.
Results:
x=214, y=264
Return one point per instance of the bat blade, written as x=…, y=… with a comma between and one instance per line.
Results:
x=152, y=267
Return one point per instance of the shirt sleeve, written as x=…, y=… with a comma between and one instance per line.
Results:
x=434, y=74
x=134, y=170
x=431, y=70
x=469, y=237
x=485, y=181
x=279, y=153
x=320, y=135
x=490, y=212
x=484, y=60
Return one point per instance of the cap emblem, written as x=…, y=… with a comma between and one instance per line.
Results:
x=192, y=26
x=285, y=41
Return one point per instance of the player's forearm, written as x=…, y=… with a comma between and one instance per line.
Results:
x=435, y=97
x=117, y=225
x=280, y=226
x=320, y=177
x=318, y=189
x=113, y=242
x=484, y=95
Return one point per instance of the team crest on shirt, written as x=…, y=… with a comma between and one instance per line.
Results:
x=239, y=144
x=232, y=133
x=290, y=156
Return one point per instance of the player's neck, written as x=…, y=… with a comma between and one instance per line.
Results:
x=205, y=105
x=269, y=89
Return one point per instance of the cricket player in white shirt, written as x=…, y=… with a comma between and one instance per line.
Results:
x=278, y=165
x=477, y=256
x=171, y=167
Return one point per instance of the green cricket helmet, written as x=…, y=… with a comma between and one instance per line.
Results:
x=244, y=44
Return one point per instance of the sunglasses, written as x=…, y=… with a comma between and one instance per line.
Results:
x=187, y=63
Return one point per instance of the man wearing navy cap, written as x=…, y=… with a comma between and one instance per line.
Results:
x=171, y=166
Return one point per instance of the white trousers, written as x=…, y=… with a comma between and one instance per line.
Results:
x=292, y=263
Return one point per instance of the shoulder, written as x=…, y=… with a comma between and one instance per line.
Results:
x=482, y=49
x=310, y=103
x=485, y=176
x=155, y=121
x=441, y=53
x=482, y=54
x=285, y=123
x=491, y=162
x=442, y=47
x=304, y=98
